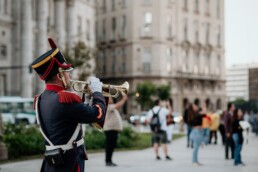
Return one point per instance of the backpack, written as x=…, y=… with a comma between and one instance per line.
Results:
x=155, y=122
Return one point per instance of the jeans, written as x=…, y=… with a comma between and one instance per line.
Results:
x=189, y=141
x=238, y=148
x=229, y=144
x=197, y=138
x=206, y=135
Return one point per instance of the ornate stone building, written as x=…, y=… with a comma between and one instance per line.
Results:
x=24, y=28
x=175, y=42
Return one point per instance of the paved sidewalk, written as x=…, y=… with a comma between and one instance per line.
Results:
x=211, y=156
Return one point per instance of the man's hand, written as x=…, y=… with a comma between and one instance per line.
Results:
x=94, y=84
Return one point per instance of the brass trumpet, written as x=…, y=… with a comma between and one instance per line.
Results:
x=107, y=89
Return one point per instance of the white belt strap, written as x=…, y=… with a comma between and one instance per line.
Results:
x=67, y=146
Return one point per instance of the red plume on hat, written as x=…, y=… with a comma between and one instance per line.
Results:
x=52, y=43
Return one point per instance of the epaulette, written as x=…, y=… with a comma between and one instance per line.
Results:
x=68, y=97
x=35, y=99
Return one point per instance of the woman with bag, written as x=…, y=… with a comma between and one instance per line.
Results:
x=112, y=126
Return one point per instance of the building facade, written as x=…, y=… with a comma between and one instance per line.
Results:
x=238, y=80
x=253, y=84
x=25, y=26
x=175, y=42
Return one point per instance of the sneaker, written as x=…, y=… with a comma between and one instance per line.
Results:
x=110, y=164
x=168, y=158
x=158, y=158
x=197, y=164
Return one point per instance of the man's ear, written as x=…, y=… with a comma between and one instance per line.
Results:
x=59, y=77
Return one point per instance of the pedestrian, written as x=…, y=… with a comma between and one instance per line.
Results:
x=222, y=127
x=195, y=120
x=228, y=131
x=60, y=113
x=215, y=121
x=206, y=123
x=188, y=126
x=157, y=119
x=237, y=134
x=170, y=121
x=112, y=126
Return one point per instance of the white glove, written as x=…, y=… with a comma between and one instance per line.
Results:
x=94, y=84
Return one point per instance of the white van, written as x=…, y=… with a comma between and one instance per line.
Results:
x=16, y=110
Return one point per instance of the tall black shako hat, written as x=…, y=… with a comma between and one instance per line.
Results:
x=47, y=64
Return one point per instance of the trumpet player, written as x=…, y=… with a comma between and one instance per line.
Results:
x=61, y=112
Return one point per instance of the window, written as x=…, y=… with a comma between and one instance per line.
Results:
x=185, y=60
x=208, y=7
x=97, y=31
x=197, y=61
x=218, y=36
x=88, y=29
x=146, y=59
x=104, y=30
x=104, y=61
x=218, y=9
x=79, y=26
x=185, y=5
x=3, y=51
x=207, y=33
x=196, y=6
x=2, y=87
x=124, y=3
x=196, y=34
x=218, y=64
x=123, y=26
x=104, y=6
x=208, y=62
x=123, y=65
x=113, y=5
x=185, y=30
x=169, y=25
x=169, y=2
x=113, y=28
x=147, y=1
x=5, y=6
x=169, y=59
x=147, y=23
x=113, y=55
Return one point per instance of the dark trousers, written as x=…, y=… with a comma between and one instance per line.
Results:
x=229, y=143
x=111, y=139
x=213, y=133
x=222, y=133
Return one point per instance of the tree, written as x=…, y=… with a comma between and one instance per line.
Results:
x=145, y=90
x=82, y=58
x=163, y=92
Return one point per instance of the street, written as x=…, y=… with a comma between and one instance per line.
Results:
x=212, y=156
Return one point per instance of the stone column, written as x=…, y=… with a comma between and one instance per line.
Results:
x=60, y=22
x=26, y=47
x=41, y=36
x=71, y=19
x=3, y=149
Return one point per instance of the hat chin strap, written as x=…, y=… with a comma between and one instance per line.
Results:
x=63, y=78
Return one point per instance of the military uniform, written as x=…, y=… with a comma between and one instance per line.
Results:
x=60, y=113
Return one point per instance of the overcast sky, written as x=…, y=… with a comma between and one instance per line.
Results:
x=241, y=31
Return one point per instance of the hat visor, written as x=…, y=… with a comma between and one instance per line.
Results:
x=68, y=69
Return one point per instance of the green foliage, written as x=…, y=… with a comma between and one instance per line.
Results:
x=163, y=92
x=79, y=57
x=145, y=90
x=94, y=140
x=23, y=140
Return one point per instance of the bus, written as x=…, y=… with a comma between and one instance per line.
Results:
x=17, y=110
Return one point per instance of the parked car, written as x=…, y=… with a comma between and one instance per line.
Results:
x=138, y=118
x=17, y=110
